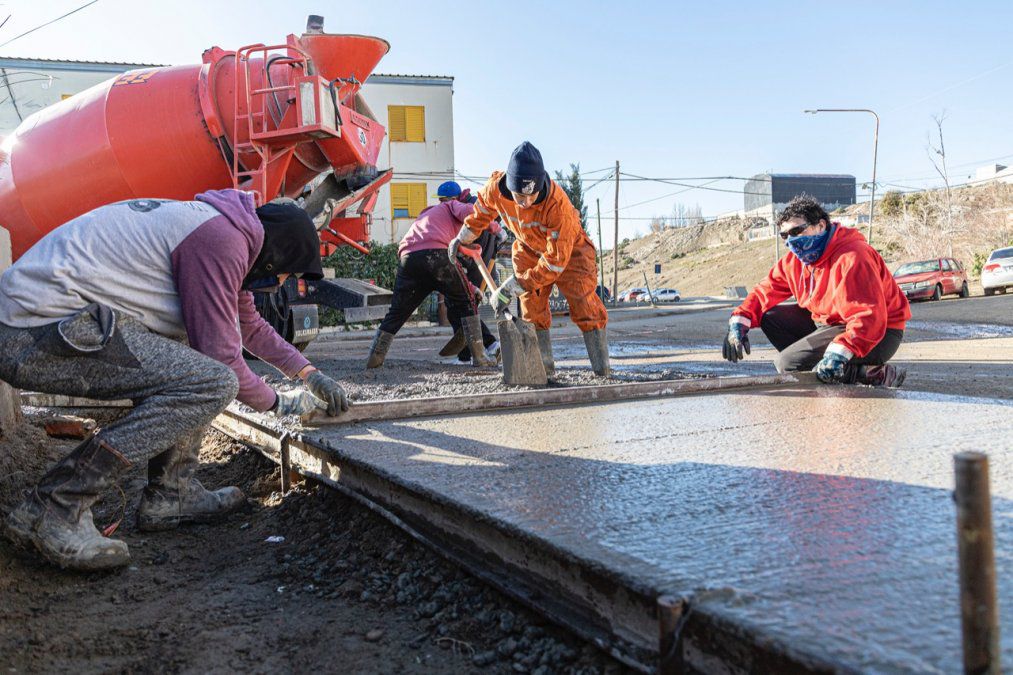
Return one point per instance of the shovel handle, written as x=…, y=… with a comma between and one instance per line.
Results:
x=477, y=256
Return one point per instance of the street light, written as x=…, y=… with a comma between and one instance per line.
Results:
x=875, y=151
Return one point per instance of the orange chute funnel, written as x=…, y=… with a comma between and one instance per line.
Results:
x=344, y=56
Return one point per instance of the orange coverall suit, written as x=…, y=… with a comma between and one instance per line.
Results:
x=551, y=248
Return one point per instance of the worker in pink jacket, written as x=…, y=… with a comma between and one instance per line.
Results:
x=423, y=268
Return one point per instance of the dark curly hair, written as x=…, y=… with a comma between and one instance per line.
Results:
x=804, y=206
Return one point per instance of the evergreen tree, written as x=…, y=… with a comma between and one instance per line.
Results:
x=574, y=189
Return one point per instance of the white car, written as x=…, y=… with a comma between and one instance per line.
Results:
x=997, y=274
x=666, y=295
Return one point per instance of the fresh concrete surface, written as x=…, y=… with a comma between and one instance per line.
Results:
x=819, y=517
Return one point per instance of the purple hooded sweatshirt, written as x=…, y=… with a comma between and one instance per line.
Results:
x=177, y=267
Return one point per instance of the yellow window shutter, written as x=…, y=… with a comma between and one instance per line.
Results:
x=396, y=123
x=399, y=202
x=416, y=198
x=415, y=124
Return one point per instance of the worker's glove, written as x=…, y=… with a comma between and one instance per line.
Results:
x=502, y=296
x=831, y=367
x=328, y=391
x=736, y=341
x=464, y=237
x=297, y=402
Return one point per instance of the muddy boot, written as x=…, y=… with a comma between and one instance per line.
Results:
x=378, y=352
x=494, y=352
x=56, y=518
x=545, y=347
x=174, y=496
x=472, y=326
x=881, y=376
x=597, y=345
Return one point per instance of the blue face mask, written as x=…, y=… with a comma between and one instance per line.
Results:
x=810, y=248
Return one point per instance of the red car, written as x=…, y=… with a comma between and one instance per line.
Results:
x=932, y=279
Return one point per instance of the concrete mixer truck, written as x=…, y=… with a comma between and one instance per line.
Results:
x=284, y=120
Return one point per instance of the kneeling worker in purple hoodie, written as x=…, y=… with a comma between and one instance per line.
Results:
x=105, y=306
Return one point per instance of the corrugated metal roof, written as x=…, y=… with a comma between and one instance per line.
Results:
x=88, y=63
x=161, y=65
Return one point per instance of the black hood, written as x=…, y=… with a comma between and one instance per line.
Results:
x=291, y=244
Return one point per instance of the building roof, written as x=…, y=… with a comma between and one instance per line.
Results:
x=805, y=175
x=120, y=66
x=64, y=64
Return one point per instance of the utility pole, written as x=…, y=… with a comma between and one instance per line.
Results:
x=601, y=253
x=615, y=245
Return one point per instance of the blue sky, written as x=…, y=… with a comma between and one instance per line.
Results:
x=669, y=89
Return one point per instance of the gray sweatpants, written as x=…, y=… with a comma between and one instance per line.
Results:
x=176, y=391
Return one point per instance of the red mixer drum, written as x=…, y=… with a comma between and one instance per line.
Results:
x=172, y=132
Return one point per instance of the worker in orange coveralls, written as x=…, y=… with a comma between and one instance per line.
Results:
x=551, y=248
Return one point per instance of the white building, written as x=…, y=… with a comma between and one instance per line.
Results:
x=993, y=173
x=417, y=111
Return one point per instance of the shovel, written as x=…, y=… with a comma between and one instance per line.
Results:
x=522, y=361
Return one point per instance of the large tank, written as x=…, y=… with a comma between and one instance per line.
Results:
x=174, y=132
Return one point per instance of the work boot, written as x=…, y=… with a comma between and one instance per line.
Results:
x=881, y=376
x=598, y=351
x=472, y=326
x=545, y=347
x=378, y=352
x=174, y=496
x=56, y=517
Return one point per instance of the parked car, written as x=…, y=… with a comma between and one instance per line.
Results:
x=666, y=295
x=603, y=293
x=631, y=294
x=932, y=279
x=997, y=274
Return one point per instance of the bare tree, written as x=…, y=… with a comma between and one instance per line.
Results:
x=940, y=167
x=657, y=224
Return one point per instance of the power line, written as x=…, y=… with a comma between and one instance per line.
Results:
x=48, y=23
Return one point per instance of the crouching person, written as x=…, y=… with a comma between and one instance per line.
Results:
x=850, y=316
x=104, y=306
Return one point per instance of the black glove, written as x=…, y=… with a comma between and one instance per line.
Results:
x=736, y=342
x=328, y=391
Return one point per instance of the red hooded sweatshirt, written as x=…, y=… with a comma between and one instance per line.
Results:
x=849, y=285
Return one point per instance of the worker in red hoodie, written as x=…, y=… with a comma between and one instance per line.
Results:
x=850, y=316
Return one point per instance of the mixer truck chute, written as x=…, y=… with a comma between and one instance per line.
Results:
x=284, y=120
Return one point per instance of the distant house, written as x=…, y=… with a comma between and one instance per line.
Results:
x=766, y=194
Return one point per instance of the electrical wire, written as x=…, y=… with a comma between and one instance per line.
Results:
x=48, y=23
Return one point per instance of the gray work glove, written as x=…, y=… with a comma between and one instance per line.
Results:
x=328, y=391
x=463, y=238
x=736, y=341
x=296, y=402
x=502, y=296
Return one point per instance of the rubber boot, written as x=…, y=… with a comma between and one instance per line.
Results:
x=597, y=345
x=378, y=352
x=56, y=518
x=888, y=376
x=472, y=326
x=175, y=497
x=545, y=347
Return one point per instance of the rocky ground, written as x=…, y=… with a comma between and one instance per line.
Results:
x=341, y=590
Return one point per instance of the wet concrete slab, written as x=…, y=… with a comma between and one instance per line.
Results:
x=815, y=518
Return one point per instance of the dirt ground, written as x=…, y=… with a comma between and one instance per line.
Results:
x=344, y=592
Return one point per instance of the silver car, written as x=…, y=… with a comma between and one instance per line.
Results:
x=997, y=274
